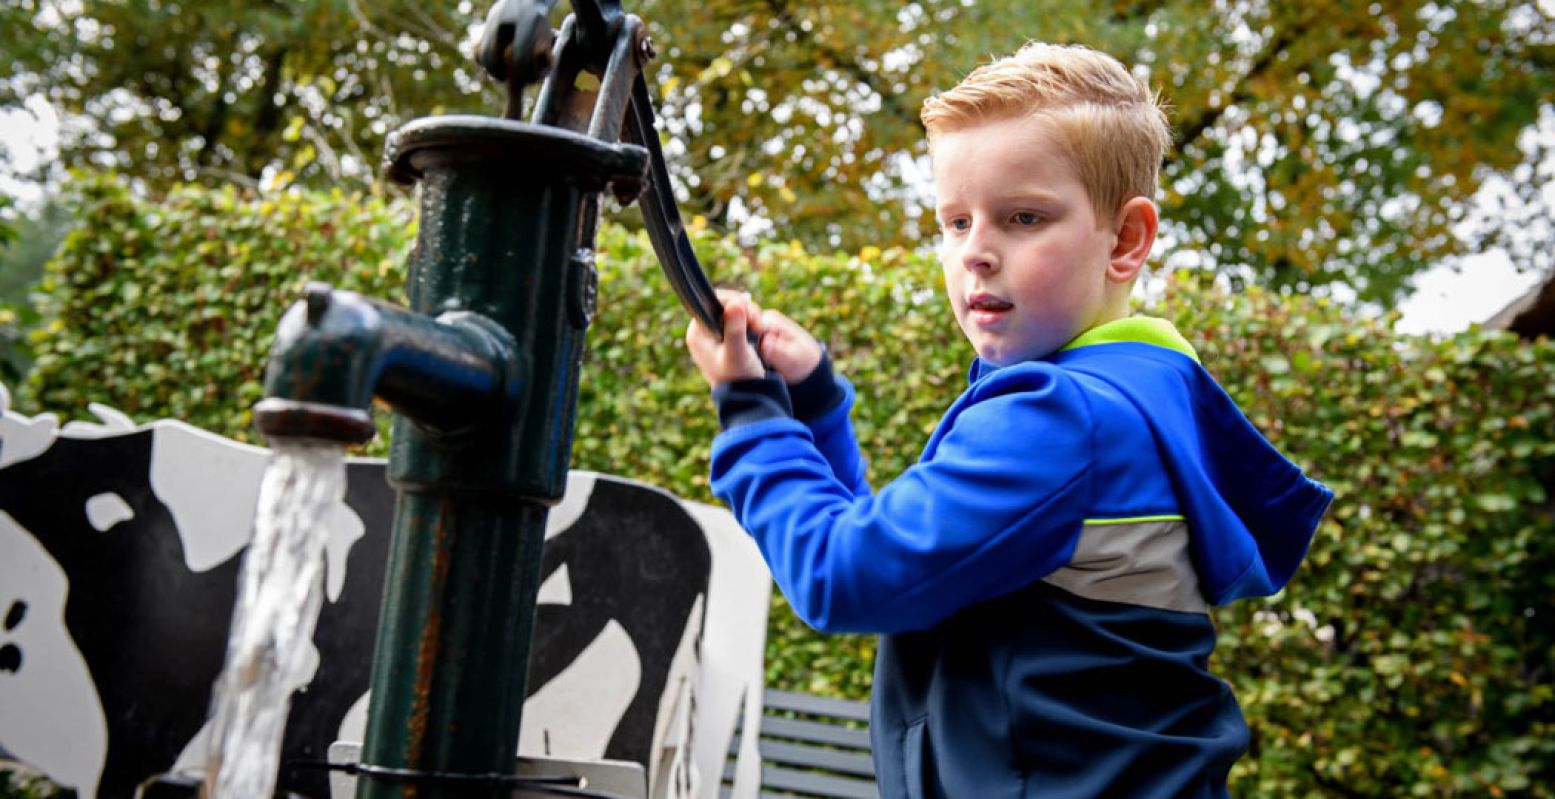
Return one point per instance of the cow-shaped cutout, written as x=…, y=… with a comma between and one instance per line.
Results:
x=119, y=553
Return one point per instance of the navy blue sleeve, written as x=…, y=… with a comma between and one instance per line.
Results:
x=742, y=402
x=817, y=394
x=997, y=501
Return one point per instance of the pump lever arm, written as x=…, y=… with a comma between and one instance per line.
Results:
x=600, y=23
x=661, y=216
x=516, y=47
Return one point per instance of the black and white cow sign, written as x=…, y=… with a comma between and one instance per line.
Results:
x=119, y=553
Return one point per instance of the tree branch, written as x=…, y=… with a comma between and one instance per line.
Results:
x=1124, y=12
x=210, y=132
x=268, y=117
x=1191, y=131
x=889, y=101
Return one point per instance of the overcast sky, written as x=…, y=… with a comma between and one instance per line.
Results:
x=1447, y=301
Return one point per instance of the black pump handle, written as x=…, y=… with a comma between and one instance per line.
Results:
x=516, y=47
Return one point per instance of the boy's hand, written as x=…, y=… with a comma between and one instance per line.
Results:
x=787, y=348
x=733, y=358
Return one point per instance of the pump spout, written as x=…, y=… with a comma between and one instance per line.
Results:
x=335, y=350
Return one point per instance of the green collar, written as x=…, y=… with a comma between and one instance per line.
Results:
x=1142, y=329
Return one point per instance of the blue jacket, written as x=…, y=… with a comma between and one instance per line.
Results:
x=1042, y=576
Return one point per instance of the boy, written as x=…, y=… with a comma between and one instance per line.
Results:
x=1042, y=576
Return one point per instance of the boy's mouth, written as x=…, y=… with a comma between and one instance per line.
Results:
x=986, y=310
x=987, y=303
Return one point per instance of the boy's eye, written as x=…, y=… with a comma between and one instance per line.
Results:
x=1025, y=218
x=958, y=223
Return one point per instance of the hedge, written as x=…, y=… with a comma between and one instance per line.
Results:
x=1411, y=656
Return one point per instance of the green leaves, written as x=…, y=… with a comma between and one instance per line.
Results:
x=1317, y=142
x=168, y=309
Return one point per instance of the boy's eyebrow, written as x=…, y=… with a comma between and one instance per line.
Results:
x=1018, y=197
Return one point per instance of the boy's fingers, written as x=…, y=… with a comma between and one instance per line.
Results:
x=786, y=330
x=734, y=321
x=698, y=342
x=730, y=298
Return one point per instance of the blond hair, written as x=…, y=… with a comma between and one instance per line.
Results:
x=1111, y=125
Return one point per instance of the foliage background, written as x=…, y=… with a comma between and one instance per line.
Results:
x=1413, y=655
x=1317, y=141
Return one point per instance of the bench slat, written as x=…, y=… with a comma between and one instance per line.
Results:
x=807, y=732
x=815, y=732
x=782, y=779
x=816, y=705
x=814, y=758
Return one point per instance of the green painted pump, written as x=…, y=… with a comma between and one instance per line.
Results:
x=482, y=370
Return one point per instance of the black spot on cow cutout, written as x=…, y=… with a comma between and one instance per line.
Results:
x=153, y=634
x=636, y=557
x=11, y=654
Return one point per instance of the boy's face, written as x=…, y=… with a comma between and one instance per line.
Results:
x=1024, y=256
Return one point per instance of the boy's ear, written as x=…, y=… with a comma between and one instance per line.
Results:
x=1135, y=229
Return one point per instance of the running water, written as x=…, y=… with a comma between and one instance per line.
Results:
x=280, y=590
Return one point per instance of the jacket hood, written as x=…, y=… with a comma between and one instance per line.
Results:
x=1251, y=512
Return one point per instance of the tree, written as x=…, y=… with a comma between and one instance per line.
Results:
x=1318, y=141
x=20, y=265
x=226, y=90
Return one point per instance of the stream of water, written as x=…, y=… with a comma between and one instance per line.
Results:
x=280, y=590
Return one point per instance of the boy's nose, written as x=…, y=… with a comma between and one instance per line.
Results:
x=978, y=255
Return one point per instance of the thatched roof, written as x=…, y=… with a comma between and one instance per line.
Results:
x=1531, y=315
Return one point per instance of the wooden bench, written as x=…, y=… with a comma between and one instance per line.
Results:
x=811, y=746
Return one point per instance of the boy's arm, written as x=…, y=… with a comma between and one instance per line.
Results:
x=821, y=399
x=997, y=503
x=794, y=377
x=822, y=402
